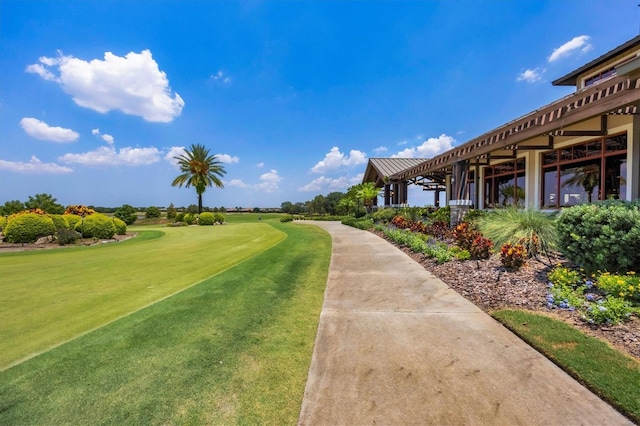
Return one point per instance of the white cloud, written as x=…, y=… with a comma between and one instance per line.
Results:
x=227, y=159
x=577, y=43
x=429, y=148
x=238, y=183
x=331, y=184
x=260, y=165
x=335, y=160
x=107, y=138
x=108, y=156
x=174, y=151
x=269, y=181
x=132, y=84
x=221, y=77
x=34, y=166
x=530, y=76
x=380, y=149
x=41, y=130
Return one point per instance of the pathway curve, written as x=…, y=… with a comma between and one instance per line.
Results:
x=397, y=346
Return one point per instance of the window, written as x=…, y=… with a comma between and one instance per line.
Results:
x=611, y=72
x=504, y=184
x=584, y=173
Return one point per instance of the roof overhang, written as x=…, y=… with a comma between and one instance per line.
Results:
x=618, y=95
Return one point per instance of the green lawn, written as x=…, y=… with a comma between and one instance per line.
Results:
x=52, y=296
x=235, y=348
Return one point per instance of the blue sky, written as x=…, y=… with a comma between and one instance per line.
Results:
x=97, y=97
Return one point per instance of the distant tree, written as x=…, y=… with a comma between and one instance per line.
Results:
x=223, y=210
x=317, y=205
x=152, y=212
x=44, y=202
x=193, y=209
x=256, y=209
x=300, y=207
x=331, y=202
x=287, y=207
x=11, y=207
x=171, y=212
x=126, y=213
x=200, y=170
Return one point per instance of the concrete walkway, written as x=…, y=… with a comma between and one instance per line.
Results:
x=397, y=346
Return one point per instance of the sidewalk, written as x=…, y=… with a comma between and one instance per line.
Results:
x=396, y=346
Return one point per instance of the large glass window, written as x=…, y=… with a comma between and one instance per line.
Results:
x=584, y=173
x=505, y=184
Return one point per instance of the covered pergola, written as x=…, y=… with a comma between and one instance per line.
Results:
x=380, y=170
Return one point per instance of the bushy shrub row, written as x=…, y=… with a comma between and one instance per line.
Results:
x=27, y=227
x=360, y=223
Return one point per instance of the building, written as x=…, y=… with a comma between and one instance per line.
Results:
x=580, y=148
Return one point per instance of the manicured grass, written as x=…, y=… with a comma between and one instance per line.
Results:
x=51, y=296
x=607, y=372
x=234, y=349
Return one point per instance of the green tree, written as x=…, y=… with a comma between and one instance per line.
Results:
x=331, y=202
x=44, y=202
x=126, y=213
x=200, y=170
x=171, y=212
x=287, y=207
x=152, y=212
x=11, y=207
x=317, y=204
x=367, y=193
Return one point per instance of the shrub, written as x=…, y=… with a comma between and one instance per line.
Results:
x=96, y=226
x=189, y=218
x=601, y=236
x=286, y=219
x=512, y=256
x=363, y=224
x=79, y=210
x=179, y=217
x=460, y=254
x=464, y=235
x=384, y=215
x=481, y=248
x=534, y=229
x=3, y=222
x=66, y=236
x=219, y=218
x=152, y=212
x=126, y=213
x=72, y=220
x=443, y=214
x=59, y=221
x=121, y=227
x=28, y=227
x=206, y=219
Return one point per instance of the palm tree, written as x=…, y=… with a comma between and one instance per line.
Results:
x=367, y=193
x=200, y=170
x=588, y=177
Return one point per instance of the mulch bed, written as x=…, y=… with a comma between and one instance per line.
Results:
x=490, y=286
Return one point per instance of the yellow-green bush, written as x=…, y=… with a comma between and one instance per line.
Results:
x=59, y=221
x=206, y=218
x=96, y=226
x=28, y=227
x=121, y=226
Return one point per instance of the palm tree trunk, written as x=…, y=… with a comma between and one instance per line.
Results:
x=199, y=203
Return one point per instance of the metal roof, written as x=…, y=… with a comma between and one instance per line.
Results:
x=571, y=79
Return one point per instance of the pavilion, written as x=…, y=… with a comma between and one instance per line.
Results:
x=580, y=148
